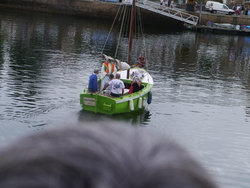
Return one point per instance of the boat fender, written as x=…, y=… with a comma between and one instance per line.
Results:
x=149, y=97
x=131, y=104
x=144, y=101
x=140, y=103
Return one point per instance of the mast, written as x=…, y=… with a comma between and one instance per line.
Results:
x=132, y=23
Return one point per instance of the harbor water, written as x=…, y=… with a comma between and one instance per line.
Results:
x=201, y=92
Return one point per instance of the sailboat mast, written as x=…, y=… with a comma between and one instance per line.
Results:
x=132, y=23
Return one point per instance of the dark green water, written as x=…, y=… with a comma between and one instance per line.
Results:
x=201, y=92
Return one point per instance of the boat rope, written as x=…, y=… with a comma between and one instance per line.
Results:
x=121, y=29
x=123, y=15
x=124, y=30
x=111, y=29
x=141, y=35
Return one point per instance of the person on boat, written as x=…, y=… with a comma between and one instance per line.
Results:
x=108, y=90
x=141, y=62
x=92, y=87
x=116, y=86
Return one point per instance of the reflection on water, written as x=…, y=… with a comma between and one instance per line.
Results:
x=200, y=94
x=138, y=118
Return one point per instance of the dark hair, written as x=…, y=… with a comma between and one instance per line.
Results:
x=118, y=76
x=99, y=156
x=111, y=76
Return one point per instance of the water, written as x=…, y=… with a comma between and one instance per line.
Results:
x=200, y=94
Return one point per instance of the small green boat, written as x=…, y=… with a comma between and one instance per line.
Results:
x=103, y=103
x=138, y=82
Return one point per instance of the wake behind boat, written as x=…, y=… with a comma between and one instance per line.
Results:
x=138, y=83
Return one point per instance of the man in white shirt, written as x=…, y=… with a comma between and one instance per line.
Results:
x=116, y=86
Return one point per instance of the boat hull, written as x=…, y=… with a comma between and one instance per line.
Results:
x=108, y=105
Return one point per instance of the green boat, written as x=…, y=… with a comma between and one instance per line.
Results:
x=103, y=103
x=138, y=83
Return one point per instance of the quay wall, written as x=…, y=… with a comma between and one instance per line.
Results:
x=86, y=8
x=108, y=10
x=217, y=18
x=71, y=7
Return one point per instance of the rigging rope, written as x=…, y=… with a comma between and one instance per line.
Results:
x=121, y=29
x=110, y=29
x=124, y=15
x=143, y=36
x=124, y=29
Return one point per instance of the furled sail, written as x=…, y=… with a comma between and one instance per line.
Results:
x=119, y=64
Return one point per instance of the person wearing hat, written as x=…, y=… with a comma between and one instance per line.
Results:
x=92, y=87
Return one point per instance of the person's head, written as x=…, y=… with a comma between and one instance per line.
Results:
x=111, y=76
x=141, y=58
x=118, y=76
x=96, y=71
x=99, y=156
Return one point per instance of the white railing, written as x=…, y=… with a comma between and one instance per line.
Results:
x=167, y=11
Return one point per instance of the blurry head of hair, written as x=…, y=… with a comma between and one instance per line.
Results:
x=96, y=70
x=99, y=156
x=118, y=76
x=111, y=76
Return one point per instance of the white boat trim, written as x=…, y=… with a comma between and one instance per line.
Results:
x=128, y=99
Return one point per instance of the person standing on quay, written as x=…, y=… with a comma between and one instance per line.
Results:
x=246, y=11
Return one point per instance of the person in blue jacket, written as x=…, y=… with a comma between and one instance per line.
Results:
x=92, y=87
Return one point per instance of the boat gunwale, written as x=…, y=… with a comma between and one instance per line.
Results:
x=123, y=98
